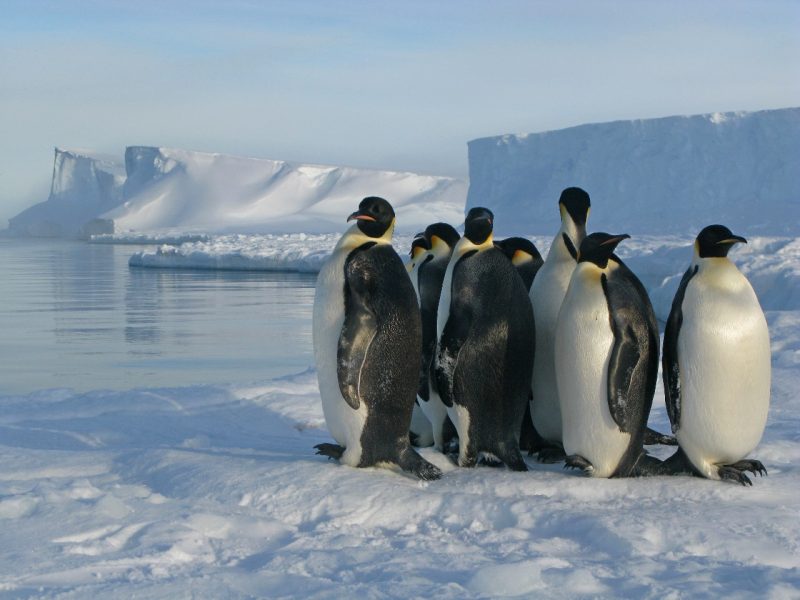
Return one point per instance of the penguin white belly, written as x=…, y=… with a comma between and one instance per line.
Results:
x=436, y=412
x=547, y=294
x=583, y=345
x=344, y=423
x=724, y=360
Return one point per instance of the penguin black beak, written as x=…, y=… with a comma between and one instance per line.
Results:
x=616, y=239
x=734, y=239
x=360, y=217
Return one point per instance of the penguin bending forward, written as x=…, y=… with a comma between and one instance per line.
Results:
x=547, y=293
x=485, y=346
x=606, y=361
x=430, y=276
x=367, y=343
x=716, y=365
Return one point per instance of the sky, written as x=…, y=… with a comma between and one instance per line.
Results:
x=375, y=84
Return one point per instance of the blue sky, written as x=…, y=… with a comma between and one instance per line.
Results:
x=394, y=85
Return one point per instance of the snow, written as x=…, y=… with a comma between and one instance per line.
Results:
x=215, y=491
x=672, y=175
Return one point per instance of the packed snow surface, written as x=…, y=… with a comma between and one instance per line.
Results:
x=673, y=175
x=216, y=492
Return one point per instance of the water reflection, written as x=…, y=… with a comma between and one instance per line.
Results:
x=76, y=315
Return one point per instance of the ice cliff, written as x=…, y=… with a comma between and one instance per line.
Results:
x=85, y=185
x=668, y=175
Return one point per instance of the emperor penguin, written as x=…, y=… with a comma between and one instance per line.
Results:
x=367, y=344
x=606, y=362
x=716, y=364
x=419, y=245
x=430, y=274
x=546, y=294
x=525, y=257
x=485, y=346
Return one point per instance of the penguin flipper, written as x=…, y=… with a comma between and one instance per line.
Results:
x=624, y=357
x=670, y=367
x=633, y=364
x=453, y=337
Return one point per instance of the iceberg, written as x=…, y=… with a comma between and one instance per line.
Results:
x=672, y=175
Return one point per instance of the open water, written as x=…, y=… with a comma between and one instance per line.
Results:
x=74, y=315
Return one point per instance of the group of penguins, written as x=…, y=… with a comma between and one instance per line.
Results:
x=483, y=349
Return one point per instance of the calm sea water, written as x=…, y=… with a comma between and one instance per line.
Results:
x=75, y=315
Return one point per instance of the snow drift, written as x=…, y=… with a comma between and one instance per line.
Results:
x=673, y=175
x=162, y=188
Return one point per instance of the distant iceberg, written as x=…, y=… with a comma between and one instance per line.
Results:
x=158, y=189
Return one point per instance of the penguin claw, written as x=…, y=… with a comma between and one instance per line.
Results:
x=731, y=473
x=551, y=455
x=754, y=466
x=575, y=461
x=330, y=450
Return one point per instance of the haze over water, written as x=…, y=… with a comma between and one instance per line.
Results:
x=75, y=315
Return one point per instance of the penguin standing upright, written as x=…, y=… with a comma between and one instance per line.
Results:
x=547, y=294
x=606, y=360
x=485, y=346
x=430, y=275
x=716, y=364
x=367, y=343
x=527, y=260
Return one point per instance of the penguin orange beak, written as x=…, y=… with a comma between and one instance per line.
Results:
x=734, y=239
x=360, y=217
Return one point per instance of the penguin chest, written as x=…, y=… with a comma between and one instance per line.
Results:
x=583, y=345
x=344, y=423
x=724, y=361
x=547, y=294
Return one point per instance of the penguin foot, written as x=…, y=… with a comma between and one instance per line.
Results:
x=330, y=450
x=514, y=461
x=731, y=473
x=488, y=460
x=551, y=455
x=413, y=438
x=754, y=466
x=575, y=461
x=653, y=437
x=413, y=463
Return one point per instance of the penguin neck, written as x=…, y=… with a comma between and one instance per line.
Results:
x=439, y=249
x=465, y=245
x=719, y=271
x=521, y=258
x=354, y=237
x=574, y=232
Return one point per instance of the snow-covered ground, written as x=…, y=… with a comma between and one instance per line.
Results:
x=215, y=491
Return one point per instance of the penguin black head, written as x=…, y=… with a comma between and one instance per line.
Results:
x=419, y=244
x=576, y=202
x=598, y=247
x=716, y=241
x=511, y=246
x=444, y=232
x=374, y=215
x=478, y=224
